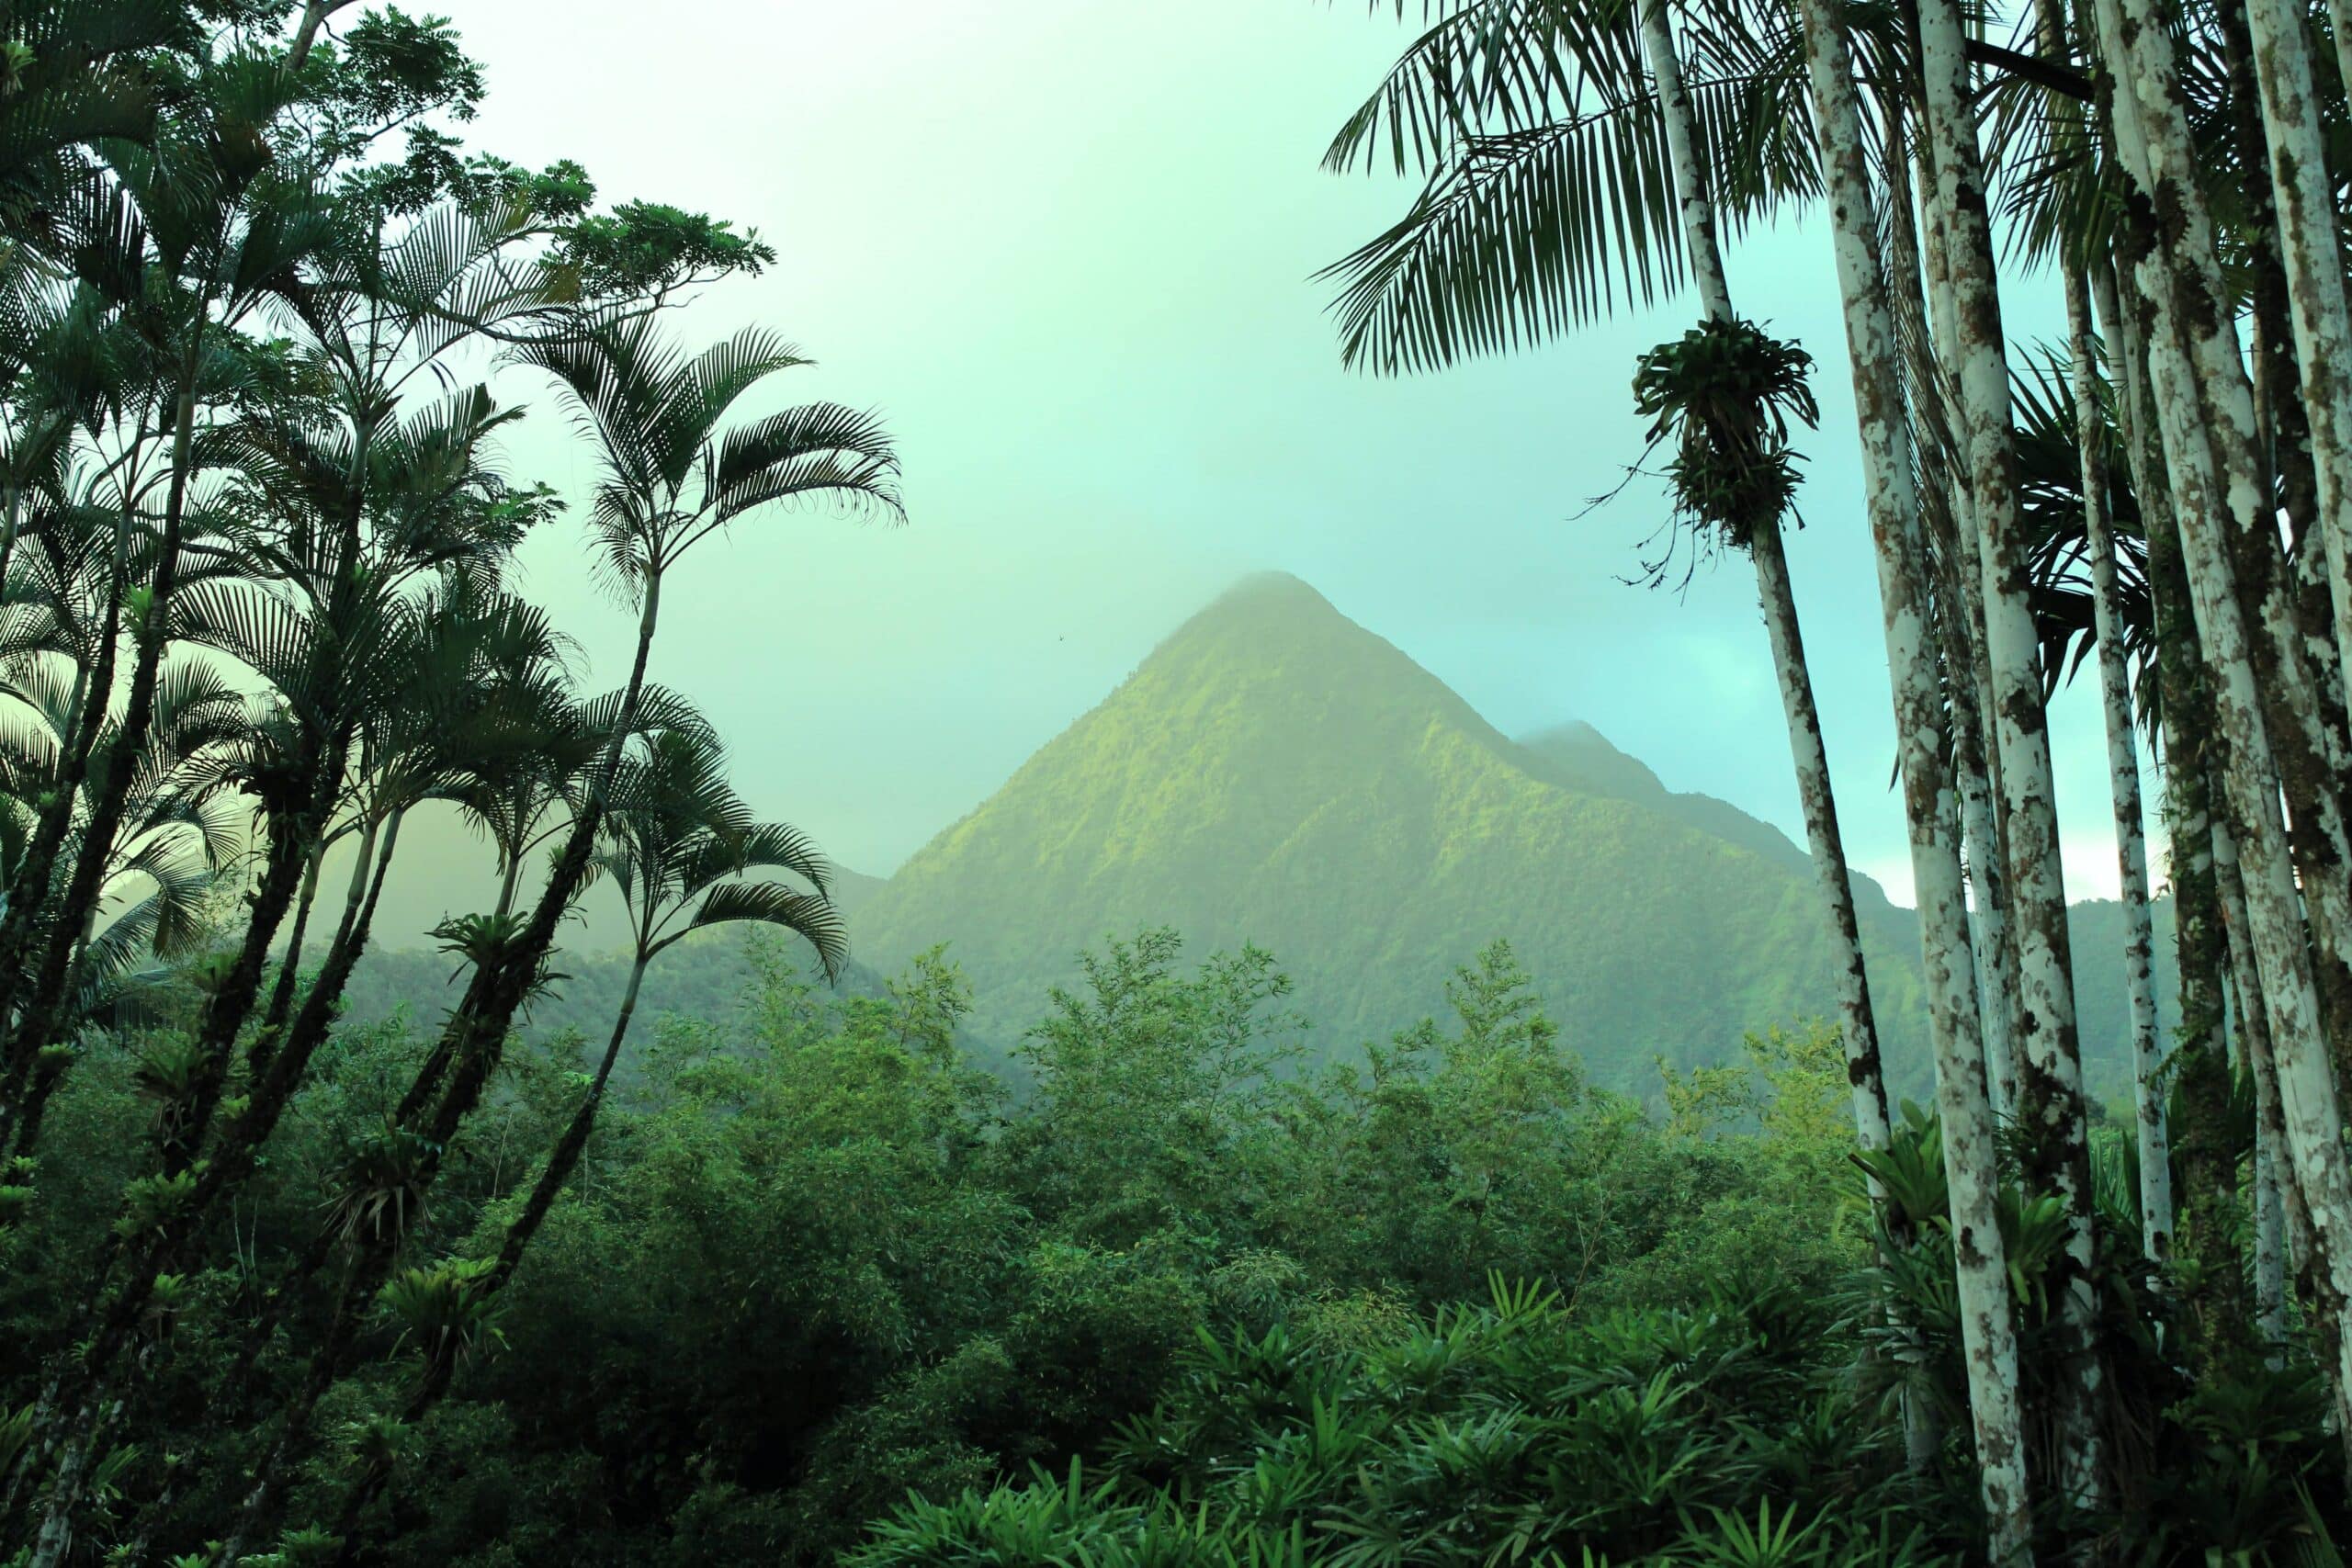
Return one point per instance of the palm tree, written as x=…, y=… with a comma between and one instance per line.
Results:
x=1958, y=611
x=172, y=839
x=682, y=851
x=672, y=478
x=207, y=210
x=2263, y=697
x=1497, y=251
x=1988, y=1331
x=674, y=475
x=1513, y=240
x=2091, y=439
x=2049, y=1105
x=2304, y=196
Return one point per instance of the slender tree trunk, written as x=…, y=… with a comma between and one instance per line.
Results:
x=2050, y=1109
x=355, y=894
x=2282, y=1219
x=2304, y=198
x=2205, y=1138
x=1987, y=1324
x=2313, y=1118
x=480, y=1022
x=1778, y=600
x=290, y=967
x=2296, y=469
x=508, y=876
x=2253, y=1022
x=2123, y=780
x=2175, y=478
x=566, y=1158
x=552, y=1176
x=2188, y=285
x=15, y=512
x=2000, y=969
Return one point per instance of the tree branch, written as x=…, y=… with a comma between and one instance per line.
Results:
x=2050, y=74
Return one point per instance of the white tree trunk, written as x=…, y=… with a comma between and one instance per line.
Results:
x=2312, y=1118
x=1967, y=678
x=2339, y=20
x=2050, y=1109
x=1987, y=1324
x=1777, y=598
x=2253, y=1023
x=2308, y=248
x=2158, y=152
x=2123, y=782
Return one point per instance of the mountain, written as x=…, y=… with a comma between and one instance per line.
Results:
x=1274, y=773
x=1580, y=757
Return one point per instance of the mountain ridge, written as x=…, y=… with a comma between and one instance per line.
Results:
x=1272, y=761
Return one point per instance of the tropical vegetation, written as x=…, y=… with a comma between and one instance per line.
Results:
x=820, y=1283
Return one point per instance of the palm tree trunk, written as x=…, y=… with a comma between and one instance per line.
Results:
x=2296, y=456
x=2049, y=1108
x=1987, y=1325
x=2304, y=198
x=1968, y=672
x=290, y=967
x=2186, y=283
x=150, y=637
x=2203, y=1136
x=468, y=1048
x=566, y=1158
x=1777, y=599
x=15, y=514
x=2253, y=1021
x=509, y=875
x=2123, y=781
x=560, y=1164
x=2281, y=1214
x=2314, y=1122
x=354, y=892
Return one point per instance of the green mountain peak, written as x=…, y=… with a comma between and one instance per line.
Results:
x=1272, y=771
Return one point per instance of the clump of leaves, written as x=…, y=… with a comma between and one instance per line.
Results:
x=170, y=1075
x=298, y=1547
x=384, y=1180
x=446, y=1309
x=16, y=1189
x=150, y=1204
x=1725, y=396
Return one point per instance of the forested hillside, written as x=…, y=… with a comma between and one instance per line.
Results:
x=1276, y=774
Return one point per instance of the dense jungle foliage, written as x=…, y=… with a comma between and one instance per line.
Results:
x=1446, y=1304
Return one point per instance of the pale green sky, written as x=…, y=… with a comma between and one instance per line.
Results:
x=1065, y=246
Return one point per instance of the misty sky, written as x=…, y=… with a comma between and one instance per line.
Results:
x=1066, y=245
